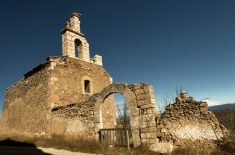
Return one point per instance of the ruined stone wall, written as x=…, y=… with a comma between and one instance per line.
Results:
x=188, y=120
x=76, y=119
x=146, y=103
x=67, y=77
x=59, y=81
x=25, y=107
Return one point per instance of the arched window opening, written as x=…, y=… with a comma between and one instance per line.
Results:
x=87, y=86
x=78, y=46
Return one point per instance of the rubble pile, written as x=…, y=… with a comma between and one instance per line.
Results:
x=187, y=119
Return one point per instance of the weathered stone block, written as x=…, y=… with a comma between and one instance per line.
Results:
x=140, y=102
x=148, y=135
x=139, y=91
x=203, y=104
x=149, y=129
x=137, y=86
x=164, y=148
x=153, y=140
x=146, y=106
x=203, y=109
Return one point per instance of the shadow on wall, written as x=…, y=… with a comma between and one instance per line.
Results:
x=10, y=147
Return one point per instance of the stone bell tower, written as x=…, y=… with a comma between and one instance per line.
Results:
x=74, y=43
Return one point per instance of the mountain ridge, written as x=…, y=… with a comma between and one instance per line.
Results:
x=222, y=106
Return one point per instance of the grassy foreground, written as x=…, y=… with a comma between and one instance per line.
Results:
x=78, y=144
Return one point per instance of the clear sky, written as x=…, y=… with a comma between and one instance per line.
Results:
x=168, y=43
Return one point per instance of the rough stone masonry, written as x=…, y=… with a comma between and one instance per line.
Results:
x=188, y=119
x=72, y=94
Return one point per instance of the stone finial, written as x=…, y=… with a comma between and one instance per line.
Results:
x=75, y=22
x=76, y=14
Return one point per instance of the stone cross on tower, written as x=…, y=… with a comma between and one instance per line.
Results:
x=74, y=43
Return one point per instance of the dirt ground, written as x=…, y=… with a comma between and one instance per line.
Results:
x=62, y=152
x=17, y=150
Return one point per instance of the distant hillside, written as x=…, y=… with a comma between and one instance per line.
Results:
x=223, y=106
x=226, y=117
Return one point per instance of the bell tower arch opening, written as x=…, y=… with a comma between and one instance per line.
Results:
x=78, y=47
x=74, y=43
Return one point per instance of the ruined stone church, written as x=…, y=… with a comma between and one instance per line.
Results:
x=61, y=80
x=72, y=94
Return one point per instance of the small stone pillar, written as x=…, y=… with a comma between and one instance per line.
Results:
x=98, y=60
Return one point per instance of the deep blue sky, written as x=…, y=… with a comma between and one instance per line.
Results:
x=167, y=43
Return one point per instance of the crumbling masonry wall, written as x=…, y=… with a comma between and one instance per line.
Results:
x=58, y=81
x=25, y=107
x=67, y=84
x=188, y=120
x=148, y=112
x=76, y=119
x=67, y=77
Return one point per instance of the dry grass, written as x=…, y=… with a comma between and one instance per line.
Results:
x=68, y=142
x=227, y=144
x=79, y=144
x=226, y=117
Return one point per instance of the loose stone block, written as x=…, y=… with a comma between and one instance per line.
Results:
x=148, y=135
x=146, y=106
x=203, y=104
x=164, y=148
x=137, y=86
x=139, y=91
x=203, y=109
x=149, y=129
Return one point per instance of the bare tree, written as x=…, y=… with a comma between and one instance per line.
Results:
x=169, y=99
x=166, y=100
x=178, y=90
x=123, y=119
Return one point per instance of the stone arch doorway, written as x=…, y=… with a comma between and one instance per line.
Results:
x=142, y=111
x=132, y=111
